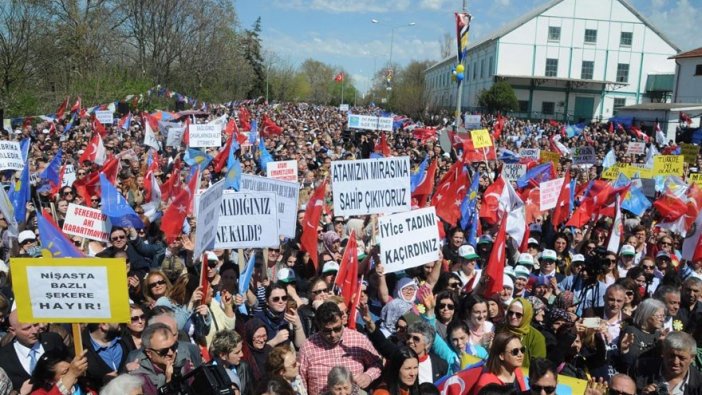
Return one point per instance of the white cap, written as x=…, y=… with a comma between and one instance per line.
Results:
x=533, y=241
x=330, y=266
x=509, y=270
x=467, y=252
x=507, y=282
x=211, y=256
x=26, y=235
x=45, y=131
x=627, y=250
x=522, y=272
x=285, y=275
x=526, y=259
x=549, y=254
x=578, y=258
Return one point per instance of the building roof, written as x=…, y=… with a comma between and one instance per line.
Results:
x=695, y=53
x=504, y=30
x=664, y=107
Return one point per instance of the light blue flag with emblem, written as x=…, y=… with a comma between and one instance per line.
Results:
x=20, y=193
x=264, y=156
x=469, y=213
x=245, y=280
x=53, y=240
x=197, y=157
x=233, y=176
x=115, y=206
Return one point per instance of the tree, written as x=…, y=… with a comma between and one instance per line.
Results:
x=254, y=56
x=499, y=98
x=408, y=96
x=320, y=77
x=446, y=45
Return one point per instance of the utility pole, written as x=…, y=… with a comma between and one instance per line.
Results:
x=460, y=82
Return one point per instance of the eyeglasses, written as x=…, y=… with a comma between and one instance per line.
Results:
x=515, y=313
x=277, y=299
x=94, y=200
x=629, y=293
x=401, y=329
x=449, y=306
x=454, y=284
x=81, y=173
x=335, y=329
x=68, y=193
x=415, y=338
x=138, y=318
x=516, y=351
x=157, y=283
x=665, y=243
x=611, y=260
x=319, y=291
x=164, y=351
x=536, y=389
x=121, y=237
x=647, y=267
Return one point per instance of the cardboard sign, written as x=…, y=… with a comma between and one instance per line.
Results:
x=287, y=193
x=696, y=179
x=69, y=175
x=549, y=193
x=408, y=239
x=472, y=121
x=343, y=107
x=369, y=122
x=690, y=152
x=10, y=155
x=371, y=186
x=104, y=117
x=71, y=290
x=637, y=170
x=613, y=172
x=636, y=148
x=530, y=153
x=248, y=220
x=546, y=156
x=668, y=165
x=203, y=136
x=285, y=170
x=512, y=171
x=207, y=218
x=87, y=222
x=481, y=138
x=584, y=156
x=175, y=136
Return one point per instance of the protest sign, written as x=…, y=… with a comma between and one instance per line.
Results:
x=208, y=210
x=668, y=165
x=512, y=171
x=690, y=152
x=408, y=239
x=69, y=175
x=248, y=220
x=287, y=194
x=472, y=122
x=545, y=156
x=612, y=172
x=481, y=138
x=87, y=222
x=175, y=136
x=285, y=170
x=636, y=148
x=10, y=156
x=530, y=153
x=104, y=117
x=549, y=193
x=368, y=122
x=371, y=186
x=584, y=156
x=343, y=107
x=202, y=136
x=70, y=290
x=696, y=179
x=637, y=170
x=34, y=178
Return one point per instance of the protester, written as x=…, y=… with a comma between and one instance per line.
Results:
x=401, y=375
x=507, y=357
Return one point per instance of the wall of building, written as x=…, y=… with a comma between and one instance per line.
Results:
x=688, y=87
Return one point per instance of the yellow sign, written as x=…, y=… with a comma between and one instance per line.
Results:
x=668, y=165
x=613, y=172
x=70, y=290
x=636, y=170
x=481, y=138
x=546, y=156
x=696, y=179
x=690, y=152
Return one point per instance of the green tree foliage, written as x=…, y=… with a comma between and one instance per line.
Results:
x=500, y=97
x=253, y=55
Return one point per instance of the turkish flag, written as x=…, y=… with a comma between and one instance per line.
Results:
x=382, y=147
x=270, y=128
x=495, y=268
x=244, y=118
x=174, y=216
x=95, y=151
x=310, y=222
x=562, y=209
x=499, y=125
x=173, y=185
x=449, y=206
x=76, y=106
x=347, y=278
x=426, y=186
x=62, y=109
x=221, y=159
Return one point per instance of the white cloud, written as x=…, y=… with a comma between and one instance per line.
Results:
x=678, y=22
x=446, y=5
x=345, y=6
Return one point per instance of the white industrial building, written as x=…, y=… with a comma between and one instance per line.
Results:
x=688, y=77
x=580, y=58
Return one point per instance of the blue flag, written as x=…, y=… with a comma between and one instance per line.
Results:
x=233, y=176
x=245, y=279
x=264, y=156
x=574, y=130
x=538, y=174
x=197, y=157
x=115, y=206
x=52, y=239
x=508, y=156
x=50, y=176
x=469, y=214
x=416, y=178
x=253, y=134
x=19, y=194
x=70, y=124
x=635, y=201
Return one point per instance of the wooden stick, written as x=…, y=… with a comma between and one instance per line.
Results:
x=77, y=339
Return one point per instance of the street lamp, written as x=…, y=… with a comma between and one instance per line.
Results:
x=392, y=40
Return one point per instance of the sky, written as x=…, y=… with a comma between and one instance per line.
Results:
x=340, y=32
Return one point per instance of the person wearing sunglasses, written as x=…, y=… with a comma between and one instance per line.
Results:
x=420, y=338
x=335, y=345
x=156, y=285
x=142, y=256
x=132, y=330
x=504, y=363
x=282, y=324
x=444, y=312
x=519, y=315
x=543, y=378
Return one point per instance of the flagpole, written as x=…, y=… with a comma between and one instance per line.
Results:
x=460, y=84
x=342, y=90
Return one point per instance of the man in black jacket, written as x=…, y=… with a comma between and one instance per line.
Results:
x=142, y=256
x=107, y=353
x=226, y=350
x=672, y=373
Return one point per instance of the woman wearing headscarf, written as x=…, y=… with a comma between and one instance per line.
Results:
x=519, y=316
x=332, y=244
x=256, y=348
x=404, y=297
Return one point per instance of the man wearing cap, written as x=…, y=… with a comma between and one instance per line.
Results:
x=534, y=249
x=626, y=259
x=484, y=247
x=329, y=271
x=469, y=275
x=574, y=282
x=27, y=243
x=521, y=279
x=547, y=266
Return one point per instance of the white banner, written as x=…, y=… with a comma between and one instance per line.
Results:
x=408, y=239
x=104, y=117
x=87, y=222
x=343, y=107
x=202, y=136
x=285, y=170
x=371, y=186
x=549, y=193
x=69, y=175
x=10, y=156
x=368, y=122
x=530, y=153
x=175, y=136
x=584, y=156
x=472, y=122
x=636, y=148
x=512, y=171
x=208, y=209
x=287, y=193
x=248, y=220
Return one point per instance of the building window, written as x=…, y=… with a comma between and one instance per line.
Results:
x=491, y=69
x=625, y=39
x=698, y=69
x=548, y=107
x=590, y=36
x=475, y=70
x=523, y=105
x=554, y=33
x=622, y=72
x=551, y=67
x=618, y=103
x=467, y=73
x=482, y=69
x=587, y=70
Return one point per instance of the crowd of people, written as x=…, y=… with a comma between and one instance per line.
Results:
x=624, y=319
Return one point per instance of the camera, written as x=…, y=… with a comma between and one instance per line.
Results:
x=207, y=379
